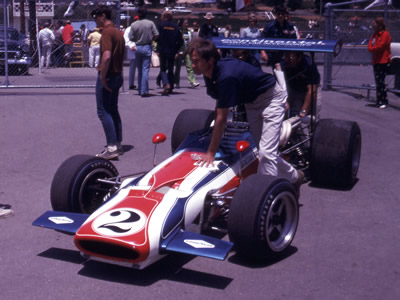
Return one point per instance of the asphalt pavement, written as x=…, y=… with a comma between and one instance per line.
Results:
x=346, y=247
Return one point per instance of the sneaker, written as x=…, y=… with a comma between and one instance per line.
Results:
x=109, y=153
x=132, y=87
x=5, y=210
x=382, y=106
x=195, y=84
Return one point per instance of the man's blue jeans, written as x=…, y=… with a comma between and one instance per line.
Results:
x=143, y=60
x=107, y=108
x=132, y=71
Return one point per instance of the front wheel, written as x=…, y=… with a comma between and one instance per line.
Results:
x=263, y=216
x=75, y=186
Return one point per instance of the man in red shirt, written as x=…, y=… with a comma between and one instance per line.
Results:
x=67, y=36
x=379, y=46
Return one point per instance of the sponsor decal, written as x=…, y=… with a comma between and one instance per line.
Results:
x=195, y=156
x=119, y=222
x=199, y=244
x=61, y=220
x=198, y=163
x=272, y=43
x=328, y=46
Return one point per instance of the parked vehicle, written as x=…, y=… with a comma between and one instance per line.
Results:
x=181, y=10
x=17, y=53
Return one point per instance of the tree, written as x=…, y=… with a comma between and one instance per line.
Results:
x=294, y=4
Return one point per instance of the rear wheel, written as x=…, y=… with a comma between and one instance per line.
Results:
x=335, y=153
x=263, y=216
x=75, y=186
x=190, y=120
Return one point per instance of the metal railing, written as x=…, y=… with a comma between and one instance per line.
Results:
x=353, y=27
x=21, y=61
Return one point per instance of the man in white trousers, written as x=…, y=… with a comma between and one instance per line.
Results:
x=131, y=56
x=232, y=82
x=46, y=39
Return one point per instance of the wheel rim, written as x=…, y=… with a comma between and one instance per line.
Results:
x=92, y=192
x=282, y=219
x=356, y=156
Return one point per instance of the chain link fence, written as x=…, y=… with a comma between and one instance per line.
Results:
x=35, y=49
x=353, y=27
x=72, y=65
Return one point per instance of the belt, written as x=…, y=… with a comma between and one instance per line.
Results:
x=143, y=44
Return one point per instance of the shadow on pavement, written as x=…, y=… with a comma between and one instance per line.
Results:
x=169, y=268
x=251, y=262
x=71, y=256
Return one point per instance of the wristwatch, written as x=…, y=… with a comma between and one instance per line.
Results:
x=303, y=111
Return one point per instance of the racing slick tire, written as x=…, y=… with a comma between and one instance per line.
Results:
x=189, y=120
x=335, y=153
x=75, y=188
x=263, y=216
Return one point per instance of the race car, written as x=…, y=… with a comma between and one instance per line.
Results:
x=137, y=219
x=182, y=206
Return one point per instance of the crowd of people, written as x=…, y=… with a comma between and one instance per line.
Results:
x=57, y=41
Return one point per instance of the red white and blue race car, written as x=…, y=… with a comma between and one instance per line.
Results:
x=135, y=220
x=179, y=205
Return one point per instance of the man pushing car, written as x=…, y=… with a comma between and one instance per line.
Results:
x=232, y=82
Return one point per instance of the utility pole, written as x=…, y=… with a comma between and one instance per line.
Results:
x=32, y=31
x=22, y=16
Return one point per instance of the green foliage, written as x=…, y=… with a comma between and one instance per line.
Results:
x=294, y=4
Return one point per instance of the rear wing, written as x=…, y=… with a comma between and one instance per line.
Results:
x=322, y=46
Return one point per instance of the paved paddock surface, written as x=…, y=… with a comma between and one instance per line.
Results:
x=346, y=247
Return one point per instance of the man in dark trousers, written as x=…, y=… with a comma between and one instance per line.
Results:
x=68, y=36
x=109, y=81
x=303, y=84
x=233, y=82
x=169, y=42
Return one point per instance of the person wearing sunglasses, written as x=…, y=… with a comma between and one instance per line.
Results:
x=280, y=28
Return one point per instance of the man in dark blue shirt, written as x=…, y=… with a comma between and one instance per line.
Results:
x=281, y=28
x=232, y=82
x=169, y=42
x=303, y=83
